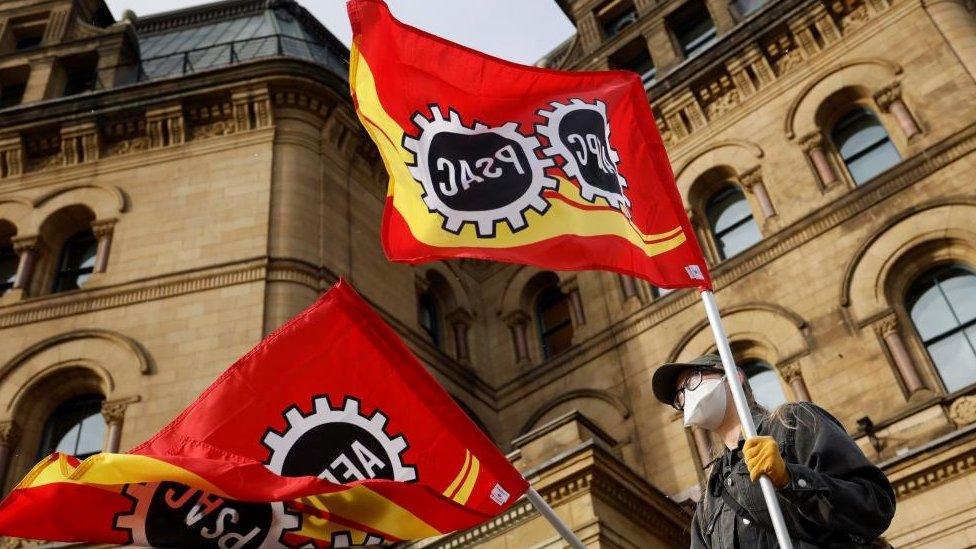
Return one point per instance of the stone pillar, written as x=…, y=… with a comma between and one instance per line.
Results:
x=752, y=181
x=889, y=100
x=40, y=79
x=812, y=144
x=721, y=16
x=460, y=321
x=11, y=155
x=704, y=235
x=9, y=437
x=958, y=27
x=166, y=126
x=518, y=322
x=628, y=286
x=662, y=47
x=252, y=109
x=793, y=374
x=79, y=143
x=589, y=31
x=570, y=287
x=28, y=248
x=114, y=413
x=887, y=330
x=703, y=444
x=103, y=230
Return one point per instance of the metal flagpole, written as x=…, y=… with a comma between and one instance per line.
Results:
x=745, y=417
x=543, y=508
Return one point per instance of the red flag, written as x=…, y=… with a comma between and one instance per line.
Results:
x=329, y=431
x=494, y=160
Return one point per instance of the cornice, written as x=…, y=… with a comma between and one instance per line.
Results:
x=765, y=252
x=935, y=475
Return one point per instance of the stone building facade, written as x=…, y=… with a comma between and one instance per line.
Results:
x=175, y=186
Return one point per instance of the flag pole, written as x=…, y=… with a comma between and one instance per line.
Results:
x=543, y=508
x=745, y=416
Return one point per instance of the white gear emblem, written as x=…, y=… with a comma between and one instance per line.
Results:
x=143, y=494
x=484, y=175
x=343, y=539
x=281, y=444
x=580, y=133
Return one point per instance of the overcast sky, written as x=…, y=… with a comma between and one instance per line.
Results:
x=518, y=30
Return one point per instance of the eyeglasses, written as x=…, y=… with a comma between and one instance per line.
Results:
x=690, y=383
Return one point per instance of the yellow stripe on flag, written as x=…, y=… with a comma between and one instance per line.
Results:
x=465, y=491
x=113, y=470
x=370, y=508
x=449, y=492
x=561, y=219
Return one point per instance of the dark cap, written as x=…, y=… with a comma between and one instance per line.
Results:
x=665, y=377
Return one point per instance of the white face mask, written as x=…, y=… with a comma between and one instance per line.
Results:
x=705, y=406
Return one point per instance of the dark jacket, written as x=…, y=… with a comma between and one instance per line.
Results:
x=835, y=498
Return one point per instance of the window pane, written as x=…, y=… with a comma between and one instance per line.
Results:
x=955, y=360
x=92, y=435
x=559, y=340
x=960, y=288
x=931, y=315
x=767, y=389
x=742, y=237
x=729, y=209
x=746, y=7
x=8, y=268
x=873, y=162
x=67, y=443
x=861, y=134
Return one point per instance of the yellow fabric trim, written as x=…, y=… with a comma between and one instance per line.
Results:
x=113, y=470
x=460, y=476
x=561, y=219
x=465, y=492
x=367, y=507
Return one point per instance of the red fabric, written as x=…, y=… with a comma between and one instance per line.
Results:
x=495, y=92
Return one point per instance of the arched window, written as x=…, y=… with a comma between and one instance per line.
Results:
x=764, y=383
x=8, y=267
x=427, y=317
x=555, y=323
x=76, y=427
x=942, y=305
x=731, y=221
x=864, y=145
x=77, y=261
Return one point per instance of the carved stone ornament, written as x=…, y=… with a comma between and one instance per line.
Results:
x=963, y=410
x=114, y=410
x=888, y=95
x=26, y=244
x=886, y=325
x=811, y=141
x=516, y=318
x=10, y=434
x=790, y=371
x=103, y=227
x=750, y=178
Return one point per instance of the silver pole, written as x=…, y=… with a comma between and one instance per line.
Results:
x=543, y=508
x=745, y=417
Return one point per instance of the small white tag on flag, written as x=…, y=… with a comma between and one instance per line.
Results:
x=499, y=495
x=694, y=272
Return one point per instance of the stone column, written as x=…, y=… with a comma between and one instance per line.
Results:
x=721, y=16
x=460, y=321
x=887, y=330
x=39, y=82
x=752, y=181
x=663, y=49
x=114, y=413
x=9, y=437
x=889, y=100
x=958, y=27
x=704, y=235
x=518, y=322
x=793, y=374
x=812, y=144
x=103, y=230
x=28, y=248
x=628, y=286
x=570, y=287
x=703, y=444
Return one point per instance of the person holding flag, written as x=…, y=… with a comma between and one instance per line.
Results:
x=830, y=494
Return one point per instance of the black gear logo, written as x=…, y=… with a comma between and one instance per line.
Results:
x=168, y=514
x=579, y=132
x=341, y=445
x=477, y=174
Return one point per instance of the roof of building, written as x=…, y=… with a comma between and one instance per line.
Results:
x=232, y=31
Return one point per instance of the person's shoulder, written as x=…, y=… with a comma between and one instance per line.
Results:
x=808, y=415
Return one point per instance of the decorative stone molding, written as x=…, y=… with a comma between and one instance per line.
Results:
x=123, y=137
x=252, y=109
x=963, y=410
x=886, y=325
x=888, y=95
x=166, y=126
x=28, y=248
x=11, y=156
x=752, y=181
x=80, y=143
x=935, y=475
x=10, y=433
x=790, y=372
x=114, y=410
x=811, y=141
x=889, y=100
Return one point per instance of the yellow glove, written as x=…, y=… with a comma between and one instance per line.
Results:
x=763, y=458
